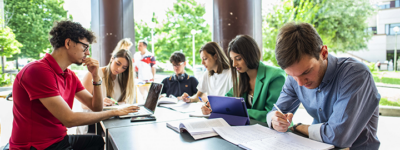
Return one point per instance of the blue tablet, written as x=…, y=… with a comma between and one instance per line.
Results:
x=232, y=109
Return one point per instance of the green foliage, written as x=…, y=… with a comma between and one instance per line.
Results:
x=371, y=67
x=5, y=79
x=386, y=102
x=341, y=24
x=143, y=31
x=8, y=44
x=31, y=21
x=386, y=80
x=186, y=15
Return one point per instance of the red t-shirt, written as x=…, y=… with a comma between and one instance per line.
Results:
x=33, y=124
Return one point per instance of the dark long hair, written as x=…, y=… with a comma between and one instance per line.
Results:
x=214, y=49
x=251, y=54
x=125, y=79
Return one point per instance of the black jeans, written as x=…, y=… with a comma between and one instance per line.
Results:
x=77, y=142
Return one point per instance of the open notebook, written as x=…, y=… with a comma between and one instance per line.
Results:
x=257, y=137
x=198, y=128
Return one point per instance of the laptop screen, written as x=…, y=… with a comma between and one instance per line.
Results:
x=152, y=96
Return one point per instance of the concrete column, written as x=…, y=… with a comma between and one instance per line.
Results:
x=112, y=20
x=234, y=17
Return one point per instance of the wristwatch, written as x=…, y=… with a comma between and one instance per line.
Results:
x=98, y=83
x=294, y=127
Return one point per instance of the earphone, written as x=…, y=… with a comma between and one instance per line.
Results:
x=179, y=77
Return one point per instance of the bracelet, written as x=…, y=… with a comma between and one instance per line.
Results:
x=294, y=127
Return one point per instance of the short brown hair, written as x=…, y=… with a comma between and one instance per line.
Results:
x=177, y=57
x=214, y=49
x=294, y=41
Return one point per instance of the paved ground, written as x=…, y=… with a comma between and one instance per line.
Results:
x=388, y=133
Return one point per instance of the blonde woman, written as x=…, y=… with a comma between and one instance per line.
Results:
x=118, y=82
x=124, y=44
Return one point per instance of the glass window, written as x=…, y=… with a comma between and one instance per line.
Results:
x=387, y=29
x=391, y=31
x=397, y=3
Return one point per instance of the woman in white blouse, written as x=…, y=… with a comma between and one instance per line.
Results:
x=217, y=81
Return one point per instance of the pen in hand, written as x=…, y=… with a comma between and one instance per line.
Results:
x=281, y=112
x=205, y=103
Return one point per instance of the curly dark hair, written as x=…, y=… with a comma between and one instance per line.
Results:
x=68, y=29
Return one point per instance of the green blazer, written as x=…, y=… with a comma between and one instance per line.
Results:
x=269, y=83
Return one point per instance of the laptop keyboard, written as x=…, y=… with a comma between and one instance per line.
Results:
x=141, y=111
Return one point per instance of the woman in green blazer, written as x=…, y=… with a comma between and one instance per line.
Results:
x=259, y=84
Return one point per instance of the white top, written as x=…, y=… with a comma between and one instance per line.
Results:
x=116, y=95
x=117, y=88
x=144, y=68
x=217, y=84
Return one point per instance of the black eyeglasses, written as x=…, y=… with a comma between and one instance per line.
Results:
x=84, y=45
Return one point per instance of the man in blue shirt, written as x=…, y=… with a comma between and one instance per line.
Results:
x=180, y=82
x=339, y=93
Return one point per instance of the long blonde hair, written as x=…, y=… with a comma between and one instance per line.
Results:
x=123, y=44
x=125, y=79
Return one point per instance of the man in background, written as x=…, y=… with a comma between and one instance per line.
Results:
x=144, y=63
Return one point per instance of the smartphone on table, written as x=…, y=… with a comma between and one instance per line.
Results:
x=143, y=118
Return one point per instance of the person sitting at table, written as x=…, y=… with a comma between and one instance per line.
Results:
x=339, y=93
x=218, y=80
x=180, y=82
x=257, y=83
x=118, y=83
x=44, y=93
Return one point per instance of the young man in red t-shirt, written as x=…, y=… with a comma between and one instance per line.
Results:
x=44, y=93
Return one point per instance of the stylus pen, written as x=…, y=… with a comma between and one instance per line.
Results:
x=281, y=112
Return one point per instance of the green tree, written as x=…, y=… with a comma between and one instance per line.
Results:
x=175, y=34
x=31, y=21
x=143, y=31
x=9, y=46
x=341, y=24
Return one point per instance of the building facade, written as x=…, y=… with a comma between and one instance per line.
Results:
x=382, y=44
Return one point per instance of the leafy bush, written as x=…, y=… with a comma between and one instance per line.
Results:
x=5, y=79
x=371, y=67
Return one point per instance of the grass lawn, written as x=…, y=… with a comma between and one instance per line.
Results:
x=386, y=102
x=388, y=77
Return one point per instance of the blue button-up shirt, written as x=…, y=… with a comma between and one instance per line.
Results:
x=344, y=106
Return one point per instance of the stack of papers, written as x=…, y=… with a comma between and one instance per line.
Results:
x=167, y=100
x=183, y=106
x=257, y=137
x=199, y=128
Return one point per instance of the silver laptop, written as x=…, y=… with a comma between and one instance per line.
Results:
x=151, y=102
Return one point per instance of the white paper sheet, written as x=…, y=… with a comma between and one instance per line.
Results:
x=257, y=137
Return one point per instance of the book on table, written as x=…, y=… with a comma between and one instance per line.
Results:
x=257, y=137
x=198, y=128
